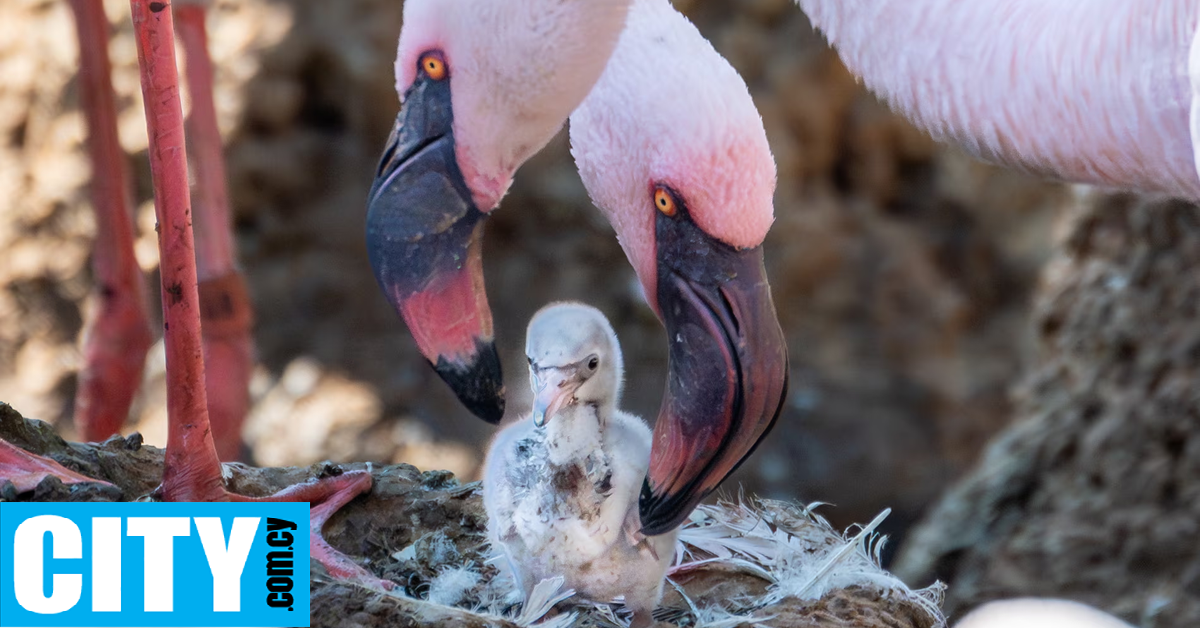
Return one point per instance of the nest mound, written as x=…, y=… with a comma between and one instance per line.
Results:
x=426, y=531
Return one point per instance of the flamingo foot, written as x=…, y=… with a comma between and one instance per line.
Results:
x=191, y=470
x=333, y=493
x=327, y=496
x=26, y=470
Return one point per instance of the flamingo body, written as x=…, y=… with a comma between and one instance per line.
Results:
x=1102, y=91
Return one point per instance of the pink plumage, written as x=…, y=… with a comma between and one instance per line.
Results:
x=1100, y=91
x=670, y=110
x=517, y=69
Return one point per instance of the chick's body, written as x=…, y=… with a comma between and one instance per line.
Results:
x=561, y=485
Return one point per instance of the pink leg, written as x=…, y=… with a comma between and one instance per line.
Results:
x=26, y=470
x=191, y=469
x=118, y=335
x=225, y=311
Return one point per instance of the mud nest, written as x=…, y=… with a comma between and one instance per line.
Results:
x=423, y=530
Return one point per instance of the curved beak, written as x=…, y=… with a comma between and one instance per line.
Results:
x=424, y=239
x=728, y=368
x=553, y=390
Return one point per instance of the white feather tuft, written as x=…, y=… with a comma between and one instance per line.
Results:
x=793, y=549
x=452, y=585
x=842, y=553
x=544, y=596
x=721, y=618
x=408, y=553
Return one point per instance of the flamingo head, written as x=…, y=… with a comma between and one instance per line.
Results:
x=484, y=84
x=574, y=358
x=671, y=147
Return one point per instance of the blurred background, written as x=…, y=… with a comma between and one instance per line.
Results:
x=903, y=271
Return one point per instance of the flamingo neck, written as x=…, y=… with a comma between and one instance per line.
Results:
x=574, y=434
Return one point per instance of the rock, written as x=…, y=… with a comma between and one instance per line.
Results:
x=1094, y=494
x=414, y=527
x=134, y=468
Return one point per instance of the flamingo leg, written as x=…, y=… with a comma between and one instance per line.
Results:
x=118, y=333
x=191, y=470
x=225, y=311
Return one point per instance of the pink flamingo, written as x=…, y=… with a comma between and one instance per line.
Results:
x=1104, y=92
x=518, y=69
x=486, y=84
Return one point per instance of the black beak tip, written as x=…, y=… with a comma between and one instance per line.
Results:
x=478, y=384
x=659, y=513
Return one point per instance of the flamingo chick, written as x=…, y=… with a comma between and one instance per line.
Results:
x=560, y=486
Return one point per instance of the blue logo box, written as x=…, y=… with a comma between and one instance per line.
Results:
x=154, y=564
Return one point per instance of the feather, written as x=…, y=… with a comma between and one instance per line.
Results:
x=792, y=548
x=844, y=551
x=544, y=596
x=452, y=585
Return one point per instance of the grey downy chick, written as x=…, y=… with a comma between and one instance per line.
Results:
x=561, y=485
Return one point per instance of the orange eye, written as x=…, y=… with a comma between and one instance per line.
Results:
x=664, y=201
x=433, y=65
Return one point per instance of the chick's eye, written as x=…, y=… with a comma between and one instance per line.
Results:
x=433, y=65
x=593, y=362
x=664, y=201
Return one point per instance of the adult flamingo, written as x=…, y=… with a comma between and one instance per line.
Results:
x=487, y=83
x=1104, y=92
x=689, y=190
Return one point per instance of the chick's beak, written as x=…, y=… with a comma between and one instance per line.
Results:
x=553, y=389
x=424, y=239
x=728, y=368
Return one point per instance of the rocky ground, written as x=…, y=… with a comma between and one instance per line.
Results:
x=1094, y=492
x=902, y=271
x=425, y=530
